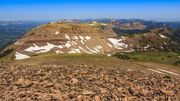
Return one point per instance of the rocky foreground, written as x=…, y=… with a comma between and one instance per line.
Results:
x=85, y=83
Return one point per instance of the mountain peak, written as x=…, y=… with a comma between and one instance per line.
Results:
x=65, y=37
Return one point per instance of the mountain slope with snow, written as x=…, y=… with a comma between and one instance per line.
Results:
x=70, y=38
x=88, y=38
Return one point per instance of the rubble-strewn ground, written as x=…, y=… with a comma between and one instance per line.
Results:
x=85, y=82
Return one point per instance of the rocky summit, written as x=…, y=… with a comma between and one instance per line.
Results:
x=85, y=83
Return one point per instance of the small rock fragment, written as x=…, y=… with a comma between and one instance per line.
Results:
x=74, y=81
x=167, y=92
x=24, y=83
x=103, y=90
x=88, y=93
x=97, y=98
x=80, y=98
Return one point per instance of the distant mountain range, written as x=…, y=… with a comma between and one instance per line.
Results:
x=149, y=24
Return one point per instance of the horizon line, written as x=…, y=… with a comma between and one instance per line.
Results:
x=91, y=19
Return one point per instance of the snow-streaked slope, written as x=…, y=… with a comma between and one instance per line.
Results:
x=62, y=38
x=19, y=56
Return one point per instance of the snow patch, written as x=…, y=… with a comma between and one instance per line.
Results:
x=56, y=33
x=108, y=54
x=59, y=52
x=162, y=36
x=123, y=38
x=60, y=46
x=81, y=37
x=96, y=49
x=109, y=45
x=18, y=43
x=165, y=43
x=91, y=49
x=20, y=56
x=87, y=37
x=74, y=51
x=68, y=45
x=43, y=49
x=85, y=50
x=74, y=43
x=82, y=42
x=132, y=50
x=117, y=43
x=67, y=37
x=40, y=49
x=99, y=47
x=147, y=47
x=76, y=37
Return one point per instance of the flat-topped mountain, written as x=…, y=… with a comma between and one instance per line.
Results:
x=70, y=38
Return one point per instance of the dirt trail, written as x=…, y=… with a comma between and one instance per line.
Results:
x=161, y=68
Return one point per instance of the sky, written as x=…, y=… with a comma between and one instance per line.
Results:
x=157, y=10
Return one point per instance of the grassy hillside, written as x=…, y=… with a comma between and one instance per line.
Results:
x=73, y=59
x=170, y=58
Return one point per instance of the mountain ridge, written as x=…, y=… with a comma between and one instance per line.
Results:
x=93, y=38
